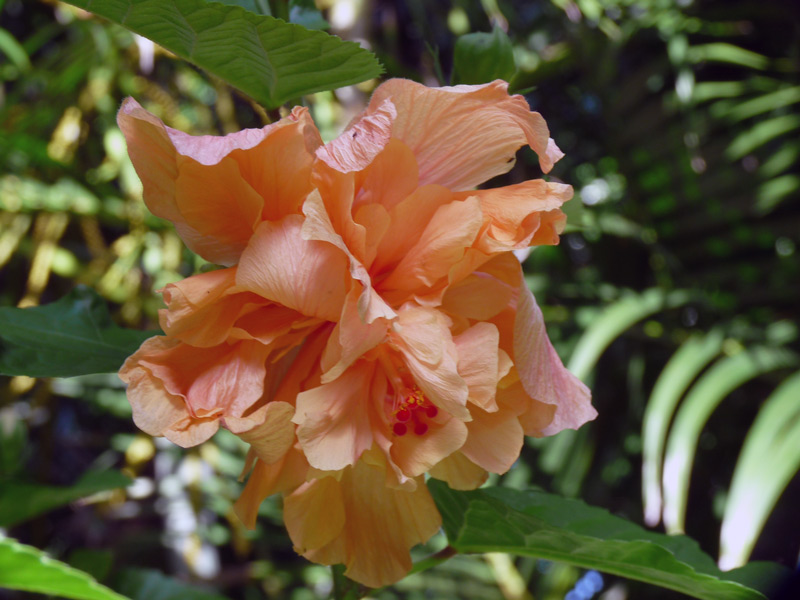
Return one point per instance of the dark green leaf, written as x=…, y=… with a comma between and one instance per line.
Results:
x=73, y=336
x=22, y=501
x=267, y=58
x=149, y=584
x=28, y=569
x=483, y=57
x=542, y=525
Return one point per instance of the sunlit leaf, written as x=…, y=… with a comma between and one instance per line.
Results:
x=616, y=319
x=73, y=336
x=769, y=459
x=267, y=58
x=27, y=569
x=691, y=358
x=532, y=523
x=704, y=397
x=728, y=53
x=761, y=133
x=20, y=501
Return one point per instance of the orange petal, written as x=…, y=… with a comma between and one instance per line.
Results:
x=217, y=381
x=464, y=135
x=333, y=421
x=459, y=472
x=541, y=371
x=350, y=339
x=360, y=143
x=448, y=234
x=316, y=513
x=202, y=309
x=534, y=416
x=318, y=227
x=154, y=409
x=381, y=524
x=478, y=362
x=423, y=338
x=390, y=178
x=307, y=276
x=494, y=440
x=282, y=476
x=479, y=296
x=269, y=430
x=516, y=213
x=161, y=156
x=416, y=454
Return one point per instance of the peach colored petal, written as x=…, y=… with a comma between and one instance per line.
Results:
x=479, y=296
x=351, y=338
x=534, y=416
x=448, y=234
x=543, y=375
x=307, y=276
x=390, y=178
x=416, y=454
x=282, y=476
x=269, y=322
x=269, y=430
x=516, y=212
x=219, y=208
x=222, y=380
x=361, y=142
x=459, y=472
x=192, y=431
x=316, y=513
x=464, y=135
x=202, y=309
x=333, y=424
x=423, y=338
x=478, y=363
x=303, y=372
x=494, y=440
x=154, y=409
x=381, y=524
x=162, y=155
x=408, y=220
x=318, y=226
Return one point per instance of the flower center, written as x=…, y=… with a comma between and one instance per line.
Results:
x=409, y=406
x=411, y=410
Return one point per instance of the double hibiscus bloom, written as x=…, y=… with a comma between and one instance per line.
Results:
x=371, y=324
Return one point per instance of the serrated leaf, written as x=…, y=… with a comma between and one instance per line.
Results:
x=270, y=60
x=28, y=569
x=532, y=523
x=73, y=336
x=21, y=501
x=149, y=584
x=483, y=57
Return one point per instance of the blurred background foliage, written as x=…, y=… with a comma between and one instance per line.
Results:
x=674, y=292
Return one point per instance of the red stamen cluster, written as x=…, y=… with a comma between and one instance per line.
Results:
x=411, y=409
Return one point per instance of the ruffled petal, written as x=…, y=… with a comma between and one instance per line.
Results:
x=307, y=276
x=381, y=524
x=459, y=472
x=464, y=135
x=181, y=172
x=282, y=476
x=362, y=141
x=494, y=440
x=390, y=178
x=269, y=430
x=416, y=454
x=315, y=513
x=333, y=422
x=478, y=363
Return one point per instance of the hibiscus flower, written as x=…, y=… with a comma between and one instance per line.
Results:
x=372, y=325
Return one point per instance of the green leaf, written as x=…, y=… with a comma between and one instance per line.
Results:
x=483, y=57
x=532, y=523
x=149, y=584
x=769, y=459
x=616, y=319
x=691, y=358
x=270, y=60
x=28, y=569
x=705, y=396
x=73, y=336
x=22, y=501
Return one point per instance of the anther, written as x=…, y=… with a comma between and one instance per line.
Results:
x=403, y=415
